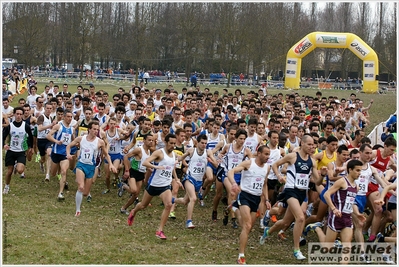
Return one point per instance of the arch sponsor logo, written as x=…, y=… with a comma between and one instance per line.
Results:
x=330, y=39
x=369, y=70
x=302, y=46
x=358, y=48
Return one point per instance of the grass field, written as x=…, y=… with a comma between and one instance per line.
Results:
x=37, y=229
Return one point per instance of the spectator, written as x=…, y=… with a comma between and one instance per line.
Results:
x=193, y=80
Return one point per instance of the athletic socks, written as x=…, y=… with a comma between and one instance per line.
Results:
x=372, y=238
x=78, y=198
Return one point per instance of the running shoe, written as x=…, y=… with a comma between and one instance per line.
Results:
x=160, y=235
x=377, y=238
x=130, y=219
x=365, y=259
x=190, y=225
x=302, y=241
x=61, y=196
x=234, y=223
x=47, y=179
x=298, y=255
x=337, y=243
x=120, y=183
x=214, y=215
x=273, y=218
x=389, y=229
x=264, y=236
x=41, y=167
x=387, y=258
x=213, y=186
x=281, y=235
x=261, y=225
x=124, y=212
x=37, y=159
x=66, y=187
x=136, y=201
x=120, y=191
x=88, y=199
x=292, y=225
x=172, y=215
x=226, y=215
x=106, y=191
x=241, y=261
x=312, y=227
x=366, y=236
x=201, y=193
x=22, y=176
x=59, y=176
x=201, y=202
x=309, y=210
x=266, y=219
x=6, y=190
x=77, y=214
x=224, y=201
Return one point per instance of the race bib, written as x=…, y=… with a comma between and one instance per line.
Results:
x=66, y=138
x=167, y=173
x=302, y=181
x=82, y=131
x=257, y=183
x=348, y=207
x=179, y=163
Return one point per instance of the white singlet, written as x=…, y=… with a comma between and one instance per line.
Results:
x=162, y=178
x=252, y=180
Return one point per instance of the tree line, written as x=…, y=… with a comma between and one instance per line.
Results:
x=205, y=37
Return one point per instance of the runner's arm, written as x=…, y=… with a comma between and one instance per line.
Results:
x=74, y=142
x=156, y=156
x=340, y=183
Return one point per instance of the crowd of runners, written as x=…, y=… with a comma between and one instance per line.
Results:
x=294, y=161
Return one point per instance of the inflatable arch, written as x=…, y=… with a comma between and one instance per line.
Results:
x=332, y=40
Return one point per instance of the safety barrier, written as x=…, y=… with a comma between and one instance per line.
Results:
x=375, y=134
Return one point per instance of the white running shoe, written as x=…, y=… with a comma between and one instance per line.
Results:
x=190, y=225
x=61, y=196
x=298, y=255
x=261, y=225
x=387, y=258
x=6, y=190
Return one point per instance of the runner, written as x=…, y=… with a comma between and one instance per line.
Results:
x=18, y=142
x=115, y=152
x=44, y=124
x=61, y=135
x=192, y=181
x=253, y=140
x=360, y=201
x=135, y=171
x=231, y=132
x=181, y=166
x=232, y=155
x=159, y=184
x=253, y=185
x=276, y=153
x=89, y=144
x=301, y=166
x=340, y=198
